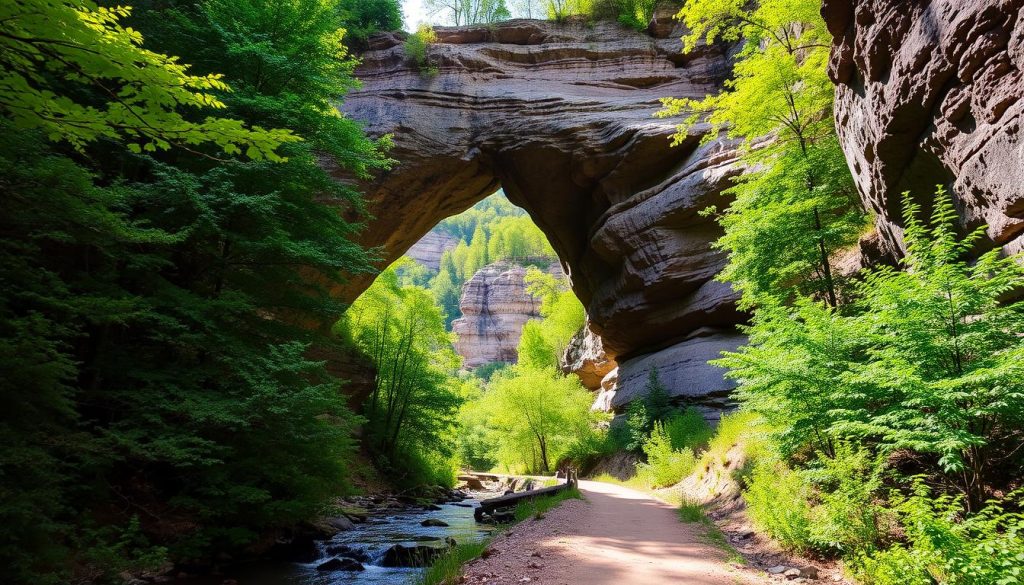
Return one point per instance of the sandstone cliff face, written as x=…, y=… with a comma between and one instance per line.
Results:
x=560, y=116
x=428, y=249
x=929, y=92
x=495, y=306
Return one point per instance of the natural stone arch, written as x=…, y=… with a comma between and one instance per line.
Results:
x=561, y=116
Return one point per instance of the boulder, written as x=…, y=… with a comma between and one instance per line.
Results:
x=685, y=373
x=433, y=522
x=418, y=555
x=585, y=357
x=348, y=551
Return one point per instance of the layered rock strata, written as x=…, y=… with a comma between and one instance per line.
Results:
x=928, y=92
x=561, y=116
x=495, y=306
x=428, y=250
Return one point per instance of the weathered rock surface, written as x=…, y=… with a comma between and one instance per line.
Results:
x=495, y=306
x=606, y=393
x=929, y=92
x=428, y=249
x=585, y=357
x=560, y=115
x=684, y=371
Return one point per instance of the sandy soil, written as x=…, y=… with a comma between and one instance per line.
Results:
x=617, y=536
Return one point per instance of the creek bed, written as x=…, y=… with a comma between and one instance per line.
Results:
x=382, y=530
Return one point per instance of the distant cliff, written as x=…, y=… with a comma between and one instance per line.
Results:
x=495, y=307
x=429, y=249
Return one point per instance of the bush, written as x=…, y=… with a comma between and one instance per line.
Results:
x=778, y=503
x=416, y=47
x=636, y=13
x=487, y=371
x=847, y=517
x=986, y=548
x=589, y=447
x=688, y=430
x=665, y=466
x=562, y=10
x=642, y=414
x=362, y=18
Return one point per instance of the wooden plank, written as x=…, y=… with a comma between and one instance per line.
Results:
x=490, y=505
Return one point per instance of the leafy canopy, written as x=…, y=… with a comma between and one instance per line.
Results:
x=796, y=204
x=49, y=48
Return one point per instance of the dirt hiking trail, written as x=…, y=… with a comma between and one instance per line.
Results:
x=617, y=536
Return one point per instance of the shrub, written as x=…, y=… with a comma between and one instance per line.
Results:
x=642, y=414
x=487, y=371
x=590, y=445
x=778, y=503
x=688, y=429
x=362, y=18
x=847, y=517
x=665, y=466
x=416, y=47
x=561, y=10
x=740, y=427
x=986, y=548
x=636, y=13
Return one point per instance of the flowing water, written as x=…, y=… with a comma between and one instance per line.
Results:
x=381, y=531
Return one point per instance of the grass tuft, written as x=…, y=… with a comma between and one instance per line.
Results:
x=536, y=507
x=447, y=570
x=690, y=512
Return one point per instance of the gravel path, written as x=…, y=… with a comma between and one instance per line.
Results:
x=617, y=536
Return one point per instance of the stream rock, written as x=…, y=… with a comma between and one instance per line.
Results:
x=418, y=555
x=340, y=564
x=344, y=550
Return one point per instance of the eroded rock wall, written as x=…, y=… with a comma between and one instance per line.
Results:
x=929, y=92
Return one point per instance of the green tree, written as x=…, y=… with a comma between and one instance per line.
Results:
x=50, y=49
x=162, y=301
x=798, y=205
x=463, y=12
x=928, y=360
x=414, y=403
x=538, y=413
x=562, y=313
x=362, y=18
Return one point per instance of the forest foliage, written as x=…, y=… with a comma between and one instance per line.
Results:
x=161, y=222
x=411, y=411
x=889, y=400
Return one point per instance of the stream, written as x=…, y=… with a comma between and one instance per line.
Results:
x=382, y=529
